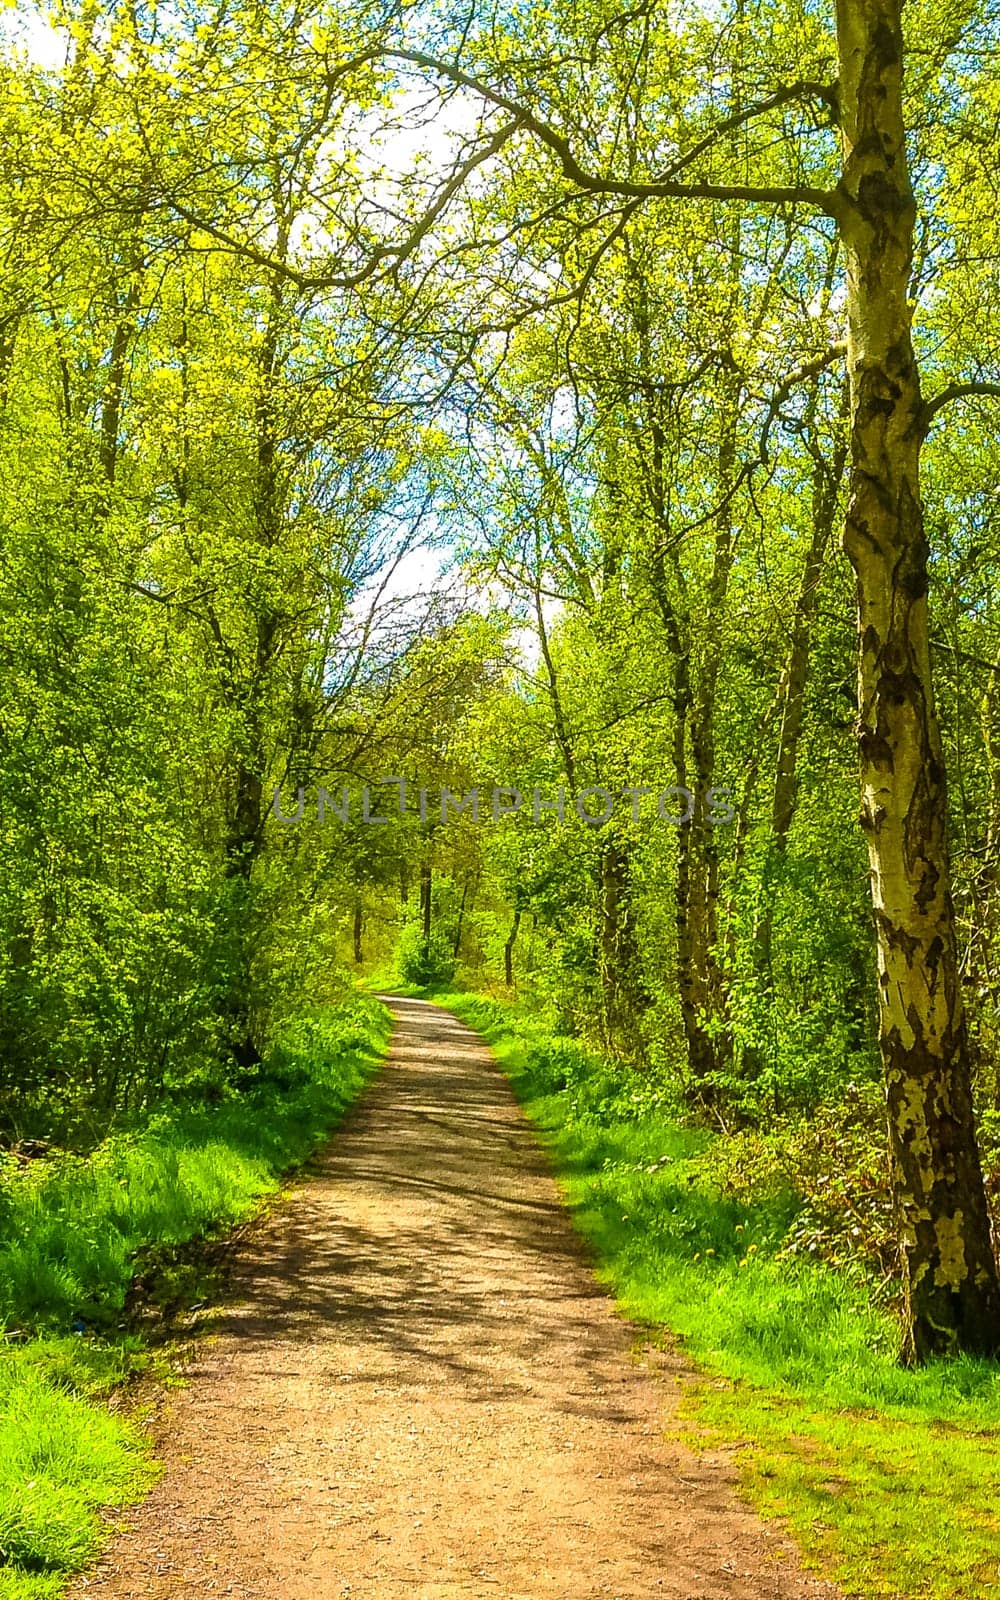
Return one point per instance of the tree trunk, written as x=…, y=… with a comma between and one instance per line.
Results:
x=114, y=389
x=985, y=891
x=508, y=951
x=703, y=983
x=950, y=1274
x=246, y=678
x=695, y=957
x=691, y=991
x=8, y=340
x=425, y=904
x=358, y=930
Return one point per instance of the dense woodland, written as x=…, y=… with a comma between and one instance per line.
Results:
x=554, y=399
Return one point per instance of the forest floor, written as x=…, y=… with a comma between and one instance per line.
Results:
x=417, y=1390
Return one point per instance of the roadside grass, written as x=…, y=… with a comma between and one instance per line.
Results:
x=73, y=1231
x=888, y=1479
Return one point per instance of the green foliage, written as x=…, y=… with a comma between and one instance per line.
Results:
x=427, y=962
x=73, y=1231
x=836, y=1162
x=226, y=428
x=696, y=1237
x=591, y=1087
x=201, y=490
x=70, y=1226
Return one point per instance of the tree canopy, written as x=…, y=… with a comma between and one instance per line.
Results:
x=560, y=402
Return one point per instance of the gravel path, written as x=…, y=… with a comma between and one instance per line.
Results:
x=420, y=1393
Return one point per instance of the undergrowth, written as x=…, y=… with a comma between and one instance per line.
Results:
x=72, y=1231
x=888, y=1478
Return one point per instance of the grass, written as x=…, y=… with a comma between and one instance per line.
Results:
x=72, y=1231
x=888, y=1479
x=62, y=1457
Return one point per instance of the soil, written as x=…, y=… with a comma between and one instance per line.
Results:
x=418, y=1390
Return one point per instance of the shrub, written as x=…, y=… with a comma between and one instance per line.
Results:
x=425, y=961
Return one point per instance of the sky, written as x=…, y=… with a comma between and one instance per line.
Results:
x=26, y=28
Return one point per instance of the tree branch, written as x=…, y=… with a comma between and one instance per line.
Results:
x=387, y=257
x=812, y=369
x=825, y=93
x=956, y=391
x=825, y=200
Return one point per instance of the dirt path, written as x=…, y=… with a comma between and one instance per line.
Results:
x=421, y=1393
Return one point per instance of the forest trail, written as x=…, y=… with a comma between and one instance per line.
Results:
x=419, y=1392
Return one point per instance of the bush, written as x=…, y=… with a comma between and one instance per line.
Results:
x=424, y=961
x=837, y=1163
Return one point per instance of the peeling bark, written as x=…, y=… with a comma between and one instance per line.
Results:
x=950, y=1274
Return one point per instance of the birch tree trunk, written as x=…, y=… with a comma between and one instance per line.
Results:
x=953, y=1298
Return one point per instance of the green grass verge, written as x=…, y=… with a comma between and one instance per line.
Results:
x=71, y=1233
x=888, y=1479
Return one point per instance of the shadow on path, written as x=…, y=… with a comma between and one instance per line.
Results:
x=419, y=1390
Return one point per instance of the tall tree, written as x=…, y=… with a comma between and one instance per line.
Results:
x=953, y=1291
